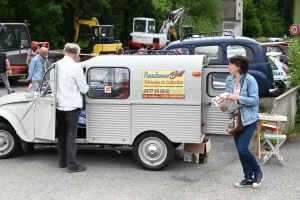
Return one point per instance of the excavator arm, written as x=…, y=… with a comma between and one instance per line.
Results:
x=170, y=21
x=91, y=21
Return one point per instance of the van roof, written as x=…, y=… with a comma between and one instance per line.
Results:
x=142, y=60
x=215, y=40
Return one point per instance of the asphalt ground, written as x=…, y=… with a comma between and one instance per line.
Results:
x=117, y=176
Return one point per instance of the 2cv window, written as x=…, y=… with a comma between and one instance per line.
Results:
x=108, y=83
x=47, y=85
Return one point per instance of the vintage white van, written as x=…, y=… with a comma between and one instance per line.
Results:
x=153, y=103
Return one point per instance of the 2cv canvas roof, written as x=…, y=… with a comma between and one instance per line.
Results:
x=140, y=60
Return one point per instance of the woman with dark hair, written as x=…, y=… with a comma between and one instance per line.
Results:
x=247, y=99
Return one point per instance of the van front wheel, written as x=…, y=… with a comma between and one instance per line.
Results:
x=153, y=151
x=9, y=142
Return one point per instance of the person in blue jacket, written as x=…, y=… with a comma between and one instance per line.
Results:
x=37, y=68
x=247, y=99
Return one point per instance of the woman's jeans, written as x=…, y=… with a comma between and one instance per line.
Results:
x=248, y=161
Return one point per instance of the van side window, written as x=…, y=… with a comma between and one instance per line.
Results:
x=219, y=80
x=108, y=83
x=214, y=53
x=233, y=50
x=215, y=83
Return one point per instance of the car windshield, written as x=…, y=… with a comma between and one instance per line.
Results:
x=139, y=25
x=151, y=27
x=107, y=31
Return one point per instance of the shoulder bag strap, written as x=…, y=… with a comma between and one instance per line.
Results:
x=242, y=87
x=243, y=83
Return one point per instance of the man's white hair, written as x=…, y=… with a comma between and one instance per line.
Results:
x=72, y=48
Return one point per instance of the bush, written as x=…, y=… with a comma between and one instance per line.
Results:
x=293, y=54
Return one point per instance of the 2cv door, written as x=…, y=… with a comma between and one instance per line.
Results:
x=213, y=84
x=45, y=107
x=108, y=111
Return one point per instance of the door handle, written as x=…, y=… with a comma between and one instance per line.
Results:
x=51, y=103
x=205, y=104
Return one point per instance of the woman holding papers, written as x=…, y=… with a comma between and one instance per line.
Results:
x=247, y=100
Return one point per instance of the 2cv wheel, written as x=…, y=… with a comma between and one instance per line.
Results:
x=9, y=142
x=153, y=151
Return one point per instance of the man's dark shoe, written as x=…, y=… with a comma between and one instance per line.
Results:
x=62, y=166
x=11, y=92
x=79, y=168
x=257, y=179
x=244, y=183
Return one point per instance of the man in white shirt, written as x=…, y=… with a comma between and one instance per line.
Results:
x=70, y=84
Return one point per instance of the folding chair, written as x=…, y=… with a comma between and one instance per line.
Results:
x=278, y=120
x=274, y=149
x=268, y=129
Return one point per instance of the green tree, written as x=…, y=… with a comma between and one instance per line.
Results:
x=6, y=11
x=52, y=20
x=251, y=24
x=265, y=17
x=285, y=8
x=272, y=22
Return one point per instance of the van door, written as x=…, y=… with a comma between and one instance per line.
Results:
x=45, y=106
x=108, y=114
x=213, y=84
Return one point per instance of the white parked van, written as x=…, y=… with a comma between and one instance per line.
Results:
x=153, y=103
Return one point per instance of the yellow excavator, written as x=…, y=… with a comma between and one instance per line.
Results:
x=102, y=38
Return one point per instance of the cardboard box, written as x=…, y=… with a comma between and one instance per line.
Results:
x=197, y=153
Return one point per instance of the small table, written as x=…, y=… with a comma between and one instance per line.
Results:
x=273, y=118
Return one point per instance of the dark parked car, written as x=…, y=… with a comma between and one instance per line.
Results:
x=220, y=48
x=280, y=47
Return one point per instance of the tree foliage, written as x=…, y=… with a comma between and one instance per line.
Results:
x=52, y=20
x=268, y=18
x=252, y=25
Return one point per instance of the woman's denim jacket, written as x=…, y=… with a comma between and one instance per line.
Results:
x=248, y=100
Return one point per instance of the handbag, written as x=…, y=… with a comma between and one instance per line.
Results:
x=235, y=125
